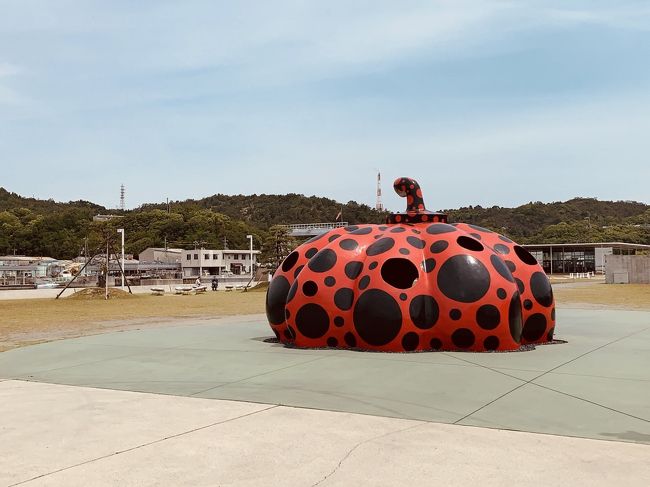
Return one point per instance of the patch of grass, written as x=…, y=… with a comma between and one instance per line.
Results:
x=36, y=320
x=623, y=296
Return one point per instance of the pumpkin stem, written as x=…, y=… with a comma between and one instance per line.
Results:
x=409, y=188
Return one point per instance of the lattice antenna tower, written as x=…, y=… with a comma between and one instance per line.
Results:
x=122, y=206
x=379, y=206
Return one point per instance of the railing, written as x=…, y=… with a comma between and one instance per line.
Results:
x=305, y=229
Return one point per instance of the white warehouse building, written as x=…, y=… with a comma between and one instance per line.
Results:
x=207, y=262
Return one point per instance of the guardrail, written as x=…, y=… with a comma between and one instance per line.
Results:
x=312, y=229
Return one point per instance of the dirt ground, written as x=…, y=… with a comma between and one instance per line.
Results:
x=25, y=322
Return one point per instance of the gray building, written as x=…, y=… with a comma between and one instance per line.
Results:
x=159, y=254
x=206, y=262
x=627, y=269
x=565, y=258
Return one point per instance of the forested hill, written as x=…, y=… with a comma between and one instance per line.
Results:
x=44, y=227
x=266, y=210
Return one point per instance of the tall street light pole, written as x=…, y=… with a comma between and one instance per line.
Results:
x=250, y=237
x=121, y=230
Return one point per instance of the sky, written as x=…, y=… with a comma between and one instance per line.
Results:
x=484, y=102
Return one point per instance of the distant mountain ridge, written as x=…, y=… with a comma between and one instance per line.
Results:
x=46, y=227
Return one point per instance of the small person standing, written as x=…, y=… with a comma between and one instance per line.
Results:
x=215, y=283
x=197, y=283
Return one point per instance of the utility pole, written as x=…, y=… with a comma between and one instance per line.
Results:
x=250, y=237
x=121, y=230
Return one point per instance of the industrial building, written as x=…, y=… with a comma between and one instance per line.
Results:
x=204, y=262
x=159, y=254
x=566, y=258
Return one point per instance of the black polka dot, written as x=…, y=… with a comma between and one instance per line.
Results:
x=541, y=288
x=363, y=283
x=502, y=249
x=480, y=229
x=416, y=242
x=455, y=314
x=525, y=256
x=501, y=293
x=438, y=228
x=377, y=317
x=463, y=338
x=505, y=239
x=323, y=261
x=398, y=230
x=511, y=265
x=553, y=314
x=350, y=340
x=404, y=251
x=312, y=320
x=339, y=321
x=488, y=317
x=290, y=261
x=403, y=297
x=424, y=311
x=348, y=244
x=429, y=265
x=469, y=243
x=528, y=304
x=491, y=343
x=332, y=342
x=463, y=278
x=476, y=236
x=317, y=237
x=333, y=237
x=435, y=344
x=514, y=318
x=501, y=268
x=549, y=335
x=418, y=232
x=311, y=252
x=292, y=291
x=380, y=246
x=534, y=327
x=520, y=285
x=298, y=270
x=290, y=333
x=276, y=299
x=439, y=246
x=343, y=298
x=330, y=281
x=382, y=227
x=351, y=228
x=362, y=231
x=353, y=269
x=410, y=341
x=378, y=236
x=373, y=265
x=310, y=288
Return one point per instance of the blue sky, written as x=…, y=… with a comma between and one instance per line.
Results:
x=484, y=102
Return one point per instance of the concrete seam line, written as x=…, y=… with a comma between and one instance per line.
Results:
x=260, y=375
x=591, y=402
x=547, y=372
x=160, y=440
x=368, y=440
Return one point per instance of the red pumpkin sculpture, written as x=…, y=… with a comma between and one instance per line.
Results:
x=414, y=284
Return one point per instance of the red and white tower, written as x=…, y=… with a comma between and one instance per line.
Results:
x=379, y=206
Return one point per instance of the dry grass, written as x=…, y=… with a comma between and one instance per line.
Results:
x=24, y=322
x=622, y=296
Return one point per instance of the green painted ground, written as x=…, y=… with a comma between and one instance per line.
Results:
x=596, y=386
